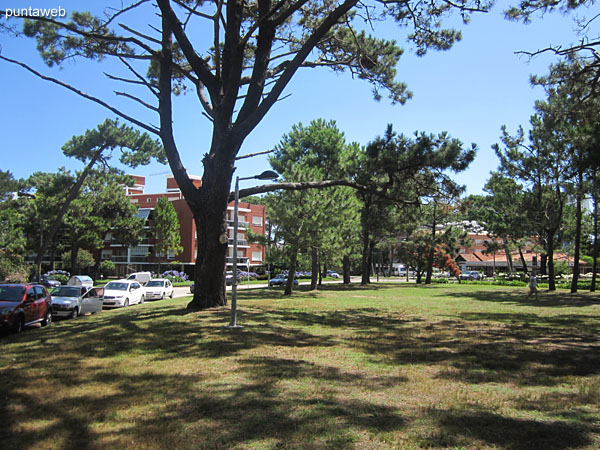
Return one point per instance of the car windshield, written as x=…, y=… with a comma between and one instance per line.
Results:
x=115, y=286
x=11, y=293
x=154, y=283
x=66, y=291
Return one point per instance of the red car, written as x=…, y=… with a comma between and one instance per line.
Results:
x=24, y=304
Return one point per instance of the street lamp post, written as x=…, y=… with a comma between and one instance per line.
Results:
x=266, y=175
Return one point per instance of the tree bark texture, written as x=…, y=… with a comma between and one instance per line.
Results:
x=292, y=273
x=575, y=278
x=314, y=278
x=346, y=269
x=550, y=256
x=595, y=250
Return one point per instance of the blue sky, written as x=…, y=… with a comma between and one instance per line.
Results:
x=469, y=91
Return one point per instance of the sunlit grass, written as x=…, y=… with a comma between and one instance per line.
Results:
x=387, y=366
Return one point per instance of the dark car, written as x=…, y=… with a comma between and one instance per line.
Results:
x=280, y=280
x=192, y=287
x=49, y=283
x=24, y=304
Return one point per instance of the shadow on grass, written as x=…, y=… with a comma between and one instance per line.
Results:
x=156, y=376
x=518, y=296
x=462, y=428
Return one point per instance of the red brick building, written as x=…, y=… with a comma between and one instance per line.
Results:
x=143, y=258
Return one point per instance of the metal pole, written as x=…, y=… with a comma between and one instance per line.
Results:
x=233, y=323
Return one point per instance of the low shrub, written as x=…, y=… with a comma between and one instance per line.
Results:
x=175, y=276
x=59, y=275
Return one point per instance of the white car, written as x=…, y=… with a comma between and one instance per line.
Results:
x=159, y=288
x=123, y=293
x=72, y=301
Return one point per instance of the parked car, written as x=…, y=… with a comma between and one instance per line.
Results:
x=192, y=287
x=24, y=304
x=470, y=275
x=123, y=293
x=49, y=283
x=280, y=280
x=333, y=274
x=159, y=288
x=72, y=301
x=140, y=277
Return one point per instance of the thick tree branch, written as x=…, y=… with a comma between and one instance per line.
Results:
x=199, y=66
x=254, y=119
x=303, y=185
x=166, y=114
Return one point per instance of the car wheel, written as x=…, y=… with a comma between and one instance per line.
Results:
x=75, y=313
x=142, y=299
x=172, y=292
x=126, y=303
x=48, y=319
x=163, y=296
x=18, y=324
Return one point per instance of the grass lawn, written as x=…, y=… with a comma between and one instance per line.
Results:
x=385, y=367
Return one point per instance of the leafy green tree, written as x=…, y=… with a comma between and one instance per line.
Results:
x=570, y=111
x=82, y=260
x=314, y=153
x=101, y=206
x=504, y=214
x=401, y=170
x=97, y=146
x=12, y=236
x=542, y=166
x=238, y=74
x=165, y=229
x=41, y=210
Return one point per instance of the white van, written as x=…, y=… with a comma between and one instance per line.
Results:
x=140, y=277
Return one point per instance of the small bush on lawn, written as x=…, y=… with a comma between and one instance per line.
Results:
x=175, y=276
x=59, y=275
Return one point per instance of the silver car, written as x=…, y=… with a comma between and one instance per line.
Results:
x=71, y=301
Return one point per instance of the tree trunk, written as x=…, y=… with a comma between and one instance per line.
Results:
x=346, y=269
x=365, y=261
x=575, y=278
x=550, y=256
x=432, y=250
x=595, y=250
x=314, y=277
x=543, y=264
x=209, y=270
x=523, y=262
x=508, y=256
x=292, y=273
x=321, y=272
x=74, y=252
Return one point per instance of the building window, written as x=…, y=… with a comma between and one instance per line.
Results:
x=257, y=221
x=107, y=254
x=256, y=256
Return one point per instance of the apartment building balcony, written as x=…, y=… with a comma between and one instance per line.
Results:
x=119, y=259
x=242, y=243
x=240, y=224
x=241, y=261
